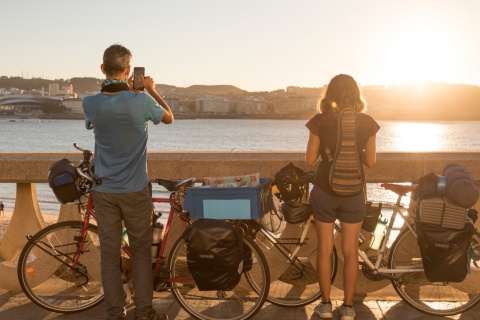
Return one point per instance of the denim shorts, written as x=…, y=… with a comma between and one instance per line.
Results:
x=327, y=208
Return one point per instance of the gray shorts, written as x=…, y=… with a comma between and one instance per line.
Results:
x=327, y=208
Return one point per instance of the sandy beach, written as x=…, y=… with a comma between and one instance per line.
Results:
x=5, y=220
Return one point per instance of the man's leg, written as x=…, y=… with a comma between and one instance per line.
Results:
x=137, y=211
x=109, y=221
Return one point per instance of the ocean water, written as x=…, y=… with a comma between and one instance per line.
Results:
x=34, y=135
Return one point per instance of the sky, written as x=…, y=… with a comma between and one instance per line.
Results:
x=255, y=45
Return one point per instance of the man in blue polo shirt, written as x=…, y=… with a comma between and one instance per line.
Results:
x=119, y=117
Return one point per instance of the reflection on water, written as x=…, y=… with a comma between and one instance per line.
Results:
x=418, y=136
x=428, y=136
x=33, y=135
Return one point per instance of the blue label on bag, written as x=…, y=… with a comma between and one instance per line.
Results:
x=226, y=209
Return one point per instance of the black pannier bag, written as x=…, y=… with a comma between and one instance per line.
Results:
x=62, y=178
x=444, y=252
x=215, y=253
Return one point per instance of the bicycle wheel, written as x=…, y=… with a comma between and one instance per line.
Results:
x=434, y=298
x=293, y=283
x=45, y=276
x=240, y=303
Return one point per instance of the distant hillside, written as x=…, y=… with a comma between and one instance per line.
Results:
x=81, y=85
x=433, y=100
x=27, y=84
x=217, y=90
x=425, y=101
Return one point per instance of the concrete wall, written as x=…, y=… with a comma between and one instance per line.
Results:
x=26, y=169
x=391, y=166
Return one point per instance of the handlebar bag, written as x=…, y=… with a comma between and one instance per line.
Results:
x=62, y=178
x=215, y=254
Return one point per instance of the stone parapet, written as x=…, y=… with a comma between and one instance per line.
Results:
x=27, y=169
x=391, y=166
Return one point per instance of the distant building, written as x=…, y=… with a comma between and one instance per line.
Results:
x=74, y=105
x=54, y=89
x=251, y=105
x=213, y=104
x=308, y=92
x=25, y=104
x=293, y=104
x=20, y=105
x=173, y=103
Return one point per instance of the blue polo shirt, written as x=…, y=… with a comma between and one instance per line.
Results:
x=120, y=125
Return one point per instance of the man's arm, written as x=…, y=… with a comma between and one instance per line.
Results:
x=149, y=85
x=167, y=117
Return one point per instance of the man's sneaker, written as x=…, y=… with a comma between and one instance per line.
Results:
x=152, y=315
x=347, y=313
x=324, y=310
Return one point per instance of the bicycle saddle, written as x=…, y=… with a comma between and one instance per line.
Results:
x=399, y=189
x=173, y=185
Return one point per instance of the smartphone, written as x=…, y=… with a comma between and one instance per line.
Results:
x=138, y=73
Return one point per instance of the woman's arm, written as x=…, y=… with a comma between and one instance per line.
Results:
x=370, y=153
x=313, y=150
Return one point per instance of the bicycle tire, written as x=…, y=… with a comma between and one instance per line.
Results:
x=439, y=299
x=297, y=282
x=48, y=282
x=238, y=304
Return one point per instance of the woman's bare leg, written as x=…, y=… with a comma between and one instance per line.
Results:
x=350, y=252
x=324, y=257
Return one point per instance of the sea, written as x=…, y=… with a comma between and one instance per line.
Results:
x=41, y=135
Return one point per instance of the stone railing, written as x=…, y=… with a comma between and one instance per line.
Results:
x=27, y=169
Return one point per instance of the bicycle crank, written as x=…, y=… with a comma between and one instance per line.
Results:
x=369, y=273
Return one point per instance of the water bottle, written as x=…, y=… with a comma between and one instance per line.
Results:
x=125, y=236
x=378, y=234
x=157, y=238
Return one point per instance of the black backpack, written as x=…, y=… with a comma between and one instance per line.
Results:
x=215, y=254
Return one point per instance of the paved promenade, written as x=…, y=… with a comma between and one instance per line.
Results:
x=17, y=306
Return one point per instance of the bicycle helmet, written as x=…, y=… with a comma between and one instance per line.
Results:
x=296, y=212
x=288, y=184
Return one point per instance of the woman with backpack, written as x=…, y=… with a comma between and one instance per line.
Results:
x=342, y=138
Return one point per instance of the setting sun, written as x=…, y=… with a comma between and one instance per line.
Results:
x=417, y=51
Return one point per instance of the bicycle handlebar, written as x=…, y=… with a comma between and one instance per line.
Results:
x=78, y=147
x=85, y=164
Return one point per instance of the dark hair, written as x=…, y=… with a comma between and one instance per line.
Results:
x=116, y=59
x=342, y=92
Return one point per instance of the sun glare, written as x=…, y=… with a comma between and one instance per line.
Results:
x=417, y=136
x=416, y=52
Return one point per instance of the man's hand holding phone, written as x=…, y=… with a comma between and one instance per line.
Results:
x=138, y=82
x=138, y=77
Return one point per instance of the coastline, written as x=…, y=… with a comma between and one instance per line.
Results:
x=178, y=116
x=5, y=220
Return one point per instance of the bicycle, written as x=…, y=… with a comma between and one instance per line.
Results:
x=404, y=266
x=59, y=269
x=405, y=269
